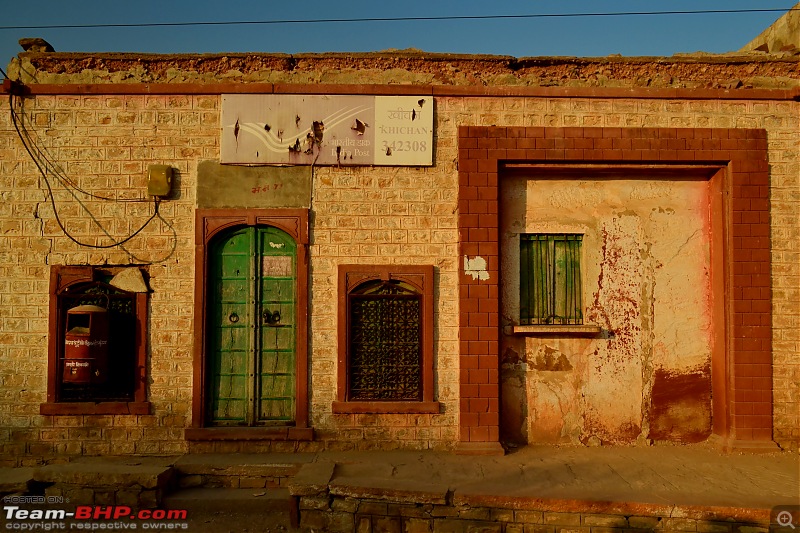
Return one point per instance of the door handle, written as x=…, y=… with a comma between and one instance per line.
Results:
x=271, y=319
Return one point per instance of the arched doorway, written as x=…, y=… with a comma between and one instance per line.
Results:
x=251, y=328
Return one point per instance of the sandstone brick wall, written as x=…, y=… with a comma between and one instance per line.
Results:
x=369, y=215
x=104, y=144
x=339, y=513
x=385, y=216
x=780, y=119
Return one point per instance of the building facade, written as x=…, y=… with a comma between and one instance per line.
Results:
x=596, y=252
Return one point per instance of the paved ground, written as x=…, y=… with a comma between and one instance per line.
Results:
x=661, y=475
x=614, y=480
x=689, y=481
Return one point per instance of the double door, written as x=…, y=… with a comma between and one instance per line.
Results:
x=251, y=328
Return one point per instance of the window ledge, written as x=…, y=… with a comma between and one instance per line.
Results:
x=251, y=433
x=386, y=407
x=587, y=330
x=95, y=408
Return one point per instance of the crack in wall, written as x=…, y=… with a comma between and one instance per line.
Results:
x=682, y=246
x=41, y=231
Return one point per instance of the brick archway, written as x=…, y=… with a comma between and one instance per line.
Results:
x=742, y=364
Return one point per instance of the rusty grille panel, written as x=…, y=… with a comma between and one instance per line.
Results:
x=385, y=344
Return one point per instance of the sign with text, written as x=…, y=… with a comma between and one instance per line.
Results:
x=272, y=129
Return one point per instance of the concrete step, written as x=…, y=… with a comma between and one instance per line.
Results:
x=134, y=481
x=226, y=510
x=211, y=500
x=15, y=480
x=239, y=471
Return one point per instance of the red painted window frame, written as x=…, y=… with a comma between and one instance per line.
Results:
x=61, y=278
x=421, y=277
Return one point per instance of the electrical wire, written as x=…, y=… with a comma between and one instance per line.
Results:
x=168, y=254
x=62, y=176
x=25, y=139
x=397, y=19
x=65, y=180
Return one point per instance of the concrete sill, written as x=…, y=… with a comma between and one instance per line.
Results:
x=248, y=434
x=386, y=407
x=571, y=330
x=94, y=408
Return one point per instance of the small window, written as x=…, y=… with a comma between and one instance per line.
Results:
x=97, y=348
x=385, y=339
x=550, y=279
x=384, y=342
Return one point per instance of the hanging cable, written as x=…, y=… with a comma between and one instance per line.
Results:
x=60, y=175
x=25, y=139
x=400, y=19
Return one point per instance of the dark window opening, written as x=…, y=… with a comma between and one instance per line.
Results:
x=97, y=350
x=386, y=339
x=119, y=384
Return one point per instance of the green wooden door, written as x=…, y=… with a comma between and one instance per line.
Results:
x=251, y=332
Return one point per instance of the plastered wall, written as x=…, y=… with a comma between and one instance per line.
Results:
x=370, y=215
x=645, y=281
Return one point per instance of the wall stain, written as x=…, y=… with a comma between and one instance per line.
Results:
x=681, y=406
x=548, y=358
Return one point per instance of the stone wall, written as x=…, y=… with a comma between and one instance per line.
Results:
x=780, y=121
x=104, y=144
x=345, y=514
x=782, y=35
x=412, y=67
x=361, y=215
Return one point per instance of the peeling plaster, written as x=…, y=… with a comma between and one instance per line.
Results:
x=476, y=267
x=646, y=267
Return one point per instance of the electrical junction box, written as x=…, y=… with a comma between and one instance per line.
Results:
x=159, y=180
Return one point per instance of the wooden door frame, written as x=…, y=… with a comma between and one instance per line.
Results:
x=208, y=224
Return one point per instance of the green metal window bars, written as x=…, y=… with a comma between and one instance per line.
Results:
x=550, y=279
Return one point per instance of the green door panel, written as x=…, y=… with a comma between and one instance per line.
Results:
x=274, y=288
x=276, y=364
x=251, y=328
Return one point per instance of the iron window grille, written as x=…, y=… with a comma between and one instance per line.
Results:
x=384, y=342
x=550, y=279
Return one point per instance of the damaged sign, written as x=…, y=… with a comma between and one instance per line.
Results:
x=327, y=130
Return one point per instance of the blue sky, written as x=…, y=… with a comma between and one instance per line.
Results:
x=576, y=36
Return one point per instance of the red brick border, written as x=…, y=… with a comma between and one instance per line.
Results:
x=742, y=367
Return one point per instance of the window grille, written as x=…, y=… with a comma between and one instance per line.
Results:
x=550, y=279
x=385, y=342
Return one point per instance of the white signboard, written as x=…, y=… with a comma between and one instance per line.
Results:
x=327, y=130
